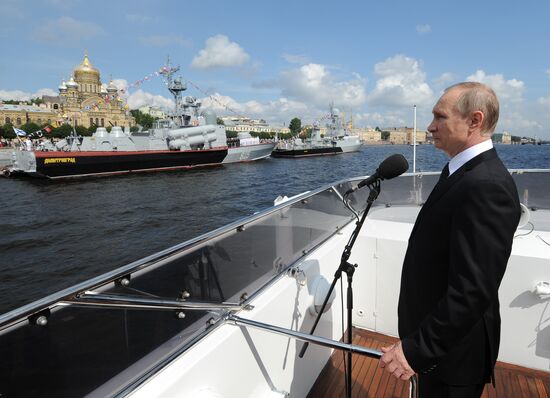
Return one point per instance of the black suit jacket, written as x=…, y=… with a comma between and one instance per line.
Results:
x=449, y=319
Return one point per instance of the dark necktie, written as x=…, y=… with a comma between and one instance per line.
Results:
x=445, y=172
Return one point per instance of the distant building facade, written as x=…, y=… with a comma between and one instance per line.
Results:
x=405, y=135
x=245, y=124
x=504, y=138
x=23, y=113
x=368, y=135
x=83, y=101
x=154, y=111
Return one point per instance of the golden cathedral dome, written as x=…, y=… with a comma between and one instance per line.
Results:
x=86, y=70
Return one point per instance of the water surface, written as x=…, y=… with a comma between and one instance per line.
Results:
x=54, y=234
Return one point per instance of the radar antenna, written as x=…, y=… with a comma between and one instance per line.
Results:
x=175, y=85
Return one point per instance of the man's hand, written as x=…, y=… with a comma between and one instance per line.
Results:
x=394, y=361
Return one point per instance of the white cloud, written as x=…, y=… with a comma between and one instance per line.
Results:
x=277, y=112
x=544, y=101
x=136, y=98
x=314, y=84
x=45, y=91
x=506, y=90
x=121, y=84
x=423, y=29
x=165, y=41
x=445, y=79
x=222, y=104
x=19, y=95
x=141, y=98
x=66, y=31
x=220, y=52
x=401, y=83
x=518, y=123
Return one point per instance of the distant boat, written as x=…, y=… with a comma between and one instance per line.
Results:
x=336, y=141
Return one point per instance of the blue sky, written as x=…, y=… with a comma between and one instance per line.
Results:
x=285, y=59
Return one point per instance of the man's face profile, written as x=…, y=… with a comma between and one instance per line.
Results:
x=449, y=129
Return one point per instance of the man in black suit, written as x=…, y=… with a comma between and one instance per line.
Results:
x=449, y=321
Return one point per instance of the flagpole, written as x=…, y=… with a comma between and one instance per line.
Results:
x=414, y=142
x=18, y=137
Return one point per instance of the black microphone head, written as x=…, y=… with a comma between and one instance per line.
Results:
x=392, y=166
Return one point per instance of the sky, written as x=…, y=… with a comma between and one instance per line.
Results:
x=276, y=60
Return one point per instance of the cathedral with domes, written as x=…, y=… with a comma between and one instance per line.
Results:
x=83, y=100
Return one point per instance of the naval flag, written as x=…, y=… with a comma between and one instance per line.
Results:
x=19, y=132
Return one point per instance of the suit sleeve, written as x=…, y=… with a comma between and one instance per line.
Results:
x=482, y=229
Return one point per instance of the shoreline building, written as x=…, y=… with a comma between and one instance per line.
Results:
x=405, y=135
x=154, y=111
x=83, y=100
x=244, y=124
x=368, y=135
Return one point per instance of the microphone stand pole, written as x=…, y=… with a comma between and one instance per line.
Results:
x=349, y=269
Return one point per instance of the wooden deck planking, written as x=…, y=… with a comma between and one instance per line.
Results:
x=369, y=381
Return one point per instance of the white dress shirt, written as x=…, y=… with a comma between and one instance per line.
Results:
x=468, y=154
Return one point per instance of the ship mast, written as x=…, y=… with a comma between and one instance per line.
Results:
x=175, y=85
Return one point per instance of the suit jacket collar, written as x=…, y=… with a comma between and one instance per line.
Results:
x=444, y=185
x=468, y=154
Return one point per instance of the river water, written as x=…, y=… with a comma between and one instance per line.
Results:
x=54, y=234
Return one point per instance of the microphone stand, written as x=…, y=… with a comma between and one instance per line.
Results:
x=349, y=269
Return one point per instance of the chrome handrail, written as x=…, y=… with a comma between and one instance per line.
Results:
x=322, y=341
x=149, y=303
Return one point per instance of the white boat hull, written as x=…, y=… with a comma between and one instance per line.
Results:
x=248, y=153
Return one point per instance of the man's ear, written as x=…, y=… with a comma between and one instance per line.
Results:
x=476, y=121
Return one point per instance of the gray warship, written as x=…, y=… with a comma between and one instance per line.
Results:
x=187, y=138
x=336, y=141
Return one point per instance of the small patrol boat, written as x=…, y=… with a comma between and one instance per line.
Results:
x=336, y=141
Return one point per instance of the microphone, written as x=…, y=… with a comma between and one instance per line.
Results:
x=391, y=167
